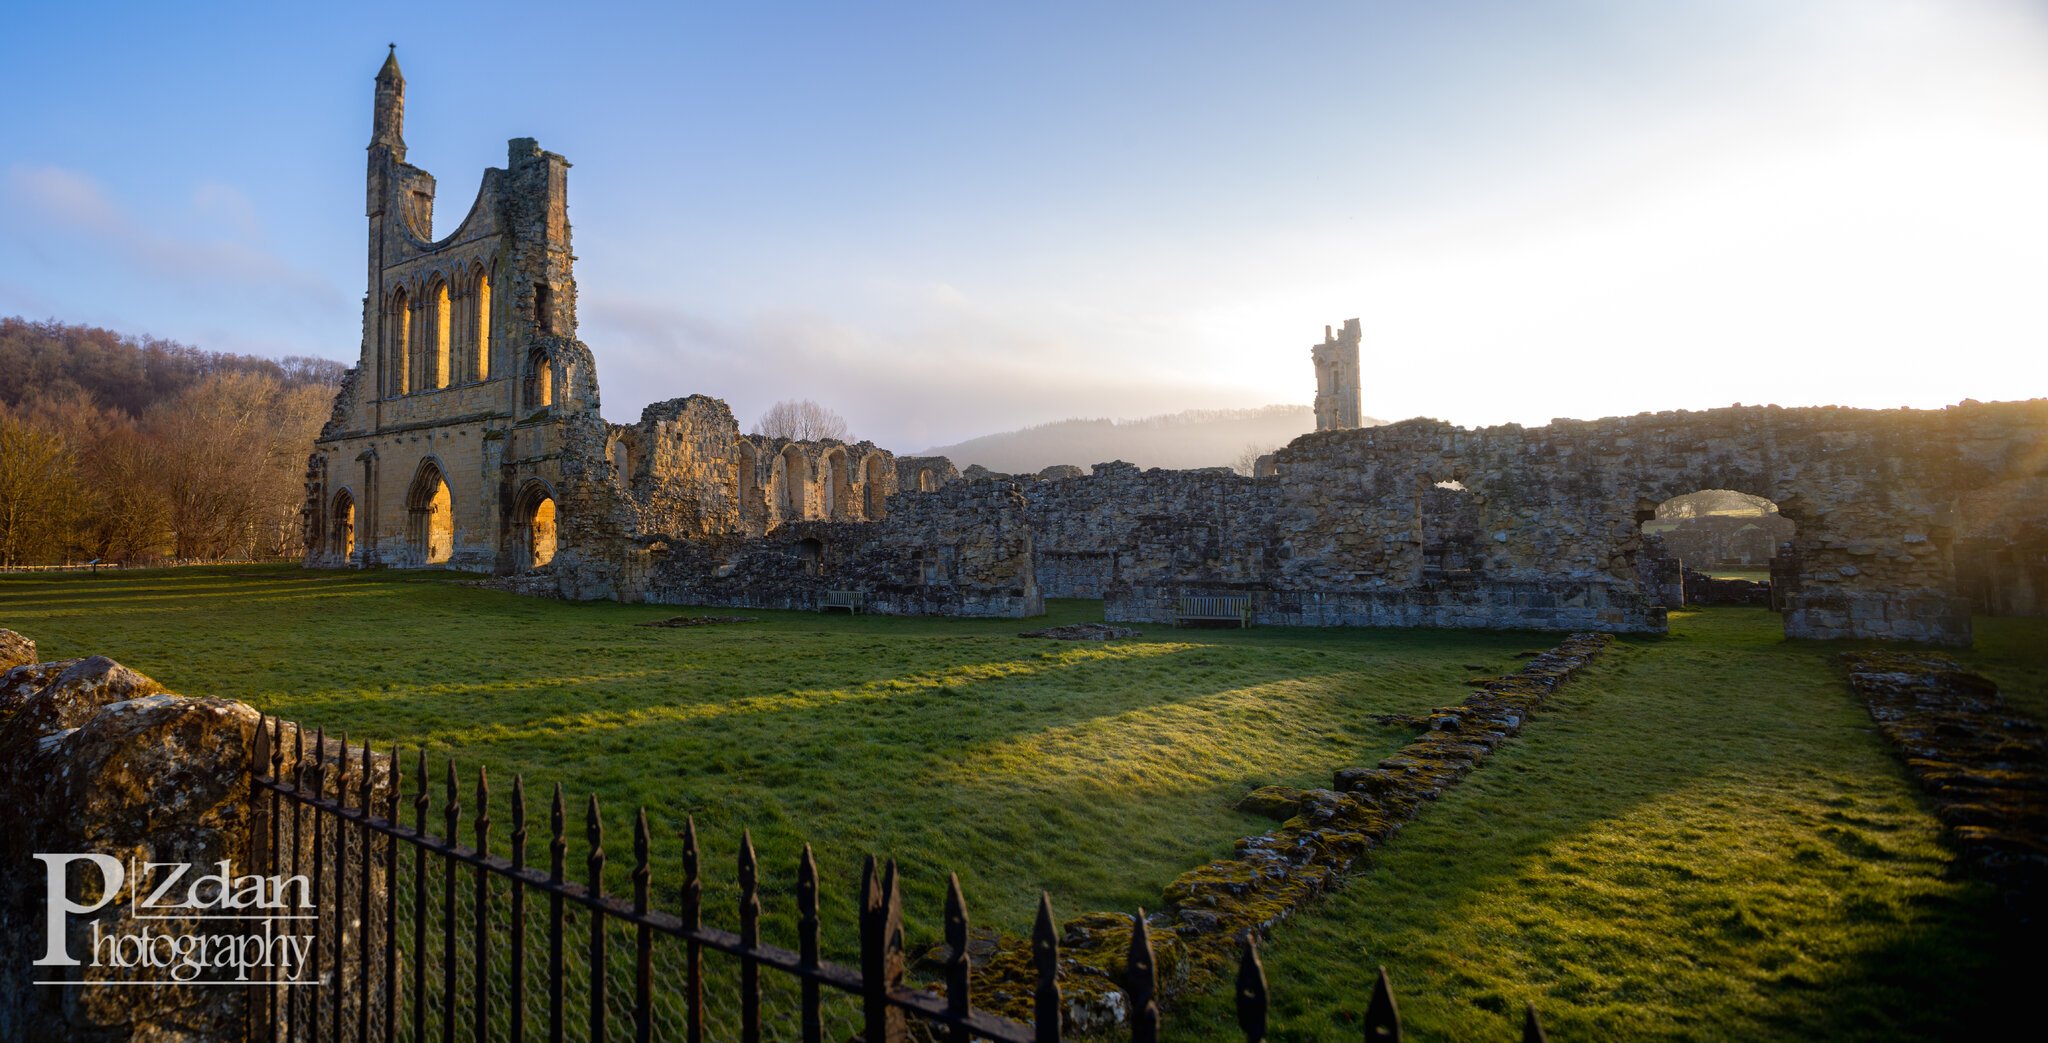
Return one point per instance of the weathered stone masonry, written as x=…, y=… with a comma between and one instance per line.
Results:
x=1543, y=527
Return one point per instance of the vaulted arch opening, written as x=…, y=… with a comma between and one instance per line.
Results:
x=795, y=485
x=836, y=480
x=1716, y=547
x=534, y=528
x=430, y=516
x=342, y=538
x=747, y=483
x=874, y=486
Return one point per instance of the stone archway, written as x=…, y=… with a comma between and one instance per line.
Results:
x=874, y=486
x=430, y=516
x=342, y=538
x=535, y=526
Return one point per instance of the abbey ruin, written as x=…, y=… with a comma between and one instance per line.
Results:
x=468, y=436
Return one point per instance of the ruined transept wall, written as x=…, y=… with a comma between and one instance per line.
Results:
x=454, y=419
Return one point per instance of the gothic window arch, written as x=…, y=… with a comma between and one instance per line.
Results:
x=430, y=515
x=398, y=344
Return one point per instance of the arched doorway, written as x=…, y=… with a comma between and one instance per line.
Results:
x=1716, y=547
x=430, y=516
x=342, y=541
x=534, y=526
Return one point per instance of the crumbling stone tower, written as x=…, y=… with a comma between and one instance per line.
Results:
x=447, y=441
x=1337, y=383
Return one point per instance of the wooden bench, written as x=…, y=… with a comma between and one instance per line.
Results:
x=850, y=600
x=1222, y=608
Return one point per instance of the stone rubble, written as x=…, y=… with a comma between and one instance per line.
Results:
x=1985, y=765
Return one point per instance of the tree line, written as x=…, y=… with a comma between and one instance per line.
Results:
x=129, y=449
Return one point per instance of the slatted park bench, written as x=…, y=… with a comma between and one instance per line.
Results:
x=1218, y=608
x=850, y=601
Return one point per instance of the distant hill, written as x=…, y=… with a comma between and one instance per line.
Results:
x=1196, y=438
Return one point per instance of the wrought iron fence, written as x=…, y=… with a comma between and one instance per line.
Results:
x=390, y=975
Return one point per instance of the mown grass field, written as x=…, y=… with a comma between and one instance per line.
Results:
x=1702, y=838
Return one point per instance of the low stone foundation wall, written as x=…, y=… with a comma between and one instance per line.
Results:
x=1526, y=605
x=1985, y=765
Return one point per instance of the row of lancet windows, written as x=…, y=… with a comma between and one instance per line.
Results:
x=442, y=338
x=793, y=476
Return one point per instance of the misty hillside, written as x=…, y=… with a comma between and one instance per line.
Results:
x=1196, y=438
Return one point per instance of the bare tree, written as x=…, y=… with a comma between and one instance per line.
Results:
x=1248, y=460
x=804, y=421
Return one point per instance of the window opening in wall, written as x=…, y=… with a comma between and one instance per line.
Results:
x=835, y=480
x=874, y=488
x=796, y=485
x=398, y=345
x=540, y=381
x=437, y=354
x=480, y=353
x=1451, y=544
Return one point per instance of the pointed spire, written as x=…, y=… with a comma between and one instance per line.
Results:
x=387, y=125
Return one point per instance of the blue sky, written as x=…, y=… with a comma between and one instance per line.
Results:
x=949, y=219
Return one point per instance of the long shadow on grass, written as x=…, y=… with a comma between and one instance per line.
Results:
x=1660, y=856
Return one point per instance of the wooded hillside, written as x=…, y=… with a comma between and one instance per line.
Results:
x=125, y=449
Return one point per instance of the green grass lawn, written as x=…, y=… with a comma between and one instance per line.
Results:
x=1762, y=575
x=1702, y=837
x=1097, y=772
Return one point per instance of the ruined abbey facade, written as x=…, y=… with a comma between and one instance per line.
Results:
x=468, y=436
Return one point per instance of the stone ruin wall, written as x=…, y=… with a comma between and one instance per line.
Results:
x=1358, y=528
x=683, y=509
x=965, y=550
x=2002, y=554
x=1120, y=525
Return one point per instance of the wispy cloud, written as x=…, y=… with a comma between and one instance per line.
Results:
x=64, y=213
